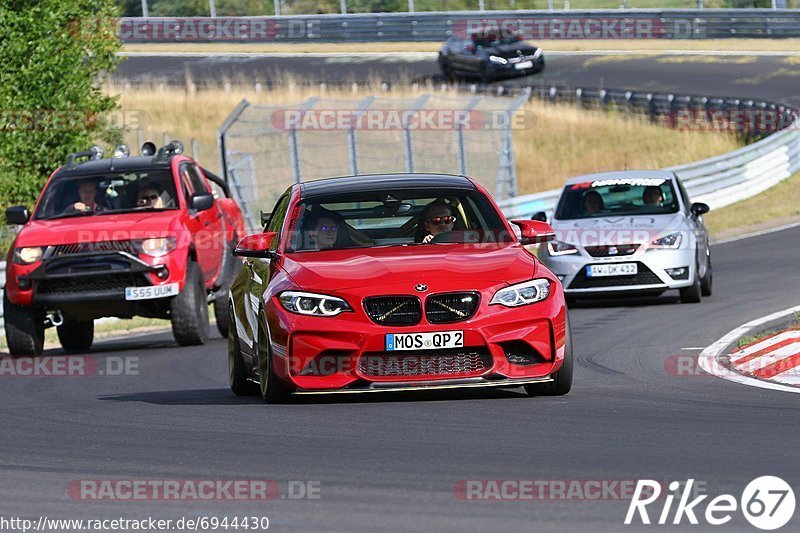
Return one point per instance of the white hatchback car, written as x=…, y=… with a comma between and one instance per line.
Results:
x=629, y=232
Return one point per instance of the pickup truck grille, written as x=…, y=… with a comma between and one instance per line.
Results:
x=92, y=247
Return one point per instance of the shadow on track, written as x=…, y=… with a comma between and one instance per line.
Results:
x=625, y=301
x=226, y=397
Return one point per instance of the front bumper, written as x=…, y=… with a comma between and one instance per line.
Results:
x=502, y=347
x=510, y=70
x=652, y=267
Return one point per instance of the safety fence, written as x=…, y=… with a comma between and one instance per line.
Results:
x=639, y=24
x=267, y=148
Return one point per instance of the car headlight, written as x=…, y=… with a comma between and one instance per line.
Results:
x=668, y=242
x=522, y=293
x=499, y=60
x=156, y=247
x=556, y=248
x=26, y=256
x=537, y=54
x=307, y=303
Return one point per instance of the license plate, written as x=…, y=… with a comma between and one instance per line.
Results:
x=424, y=341
x=619, y=269
x=524, y=65
x=148, y=293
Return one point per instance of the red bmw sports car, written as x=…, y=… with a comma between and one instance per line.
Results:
x=395, y=282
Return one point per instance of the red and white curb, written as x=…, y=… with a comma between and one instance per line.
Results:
x=772, y=363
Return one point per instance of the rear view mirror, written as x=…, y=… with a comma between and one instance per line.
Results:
x=265, y=218
x=17, y=215
x=699, y=208
x=535, y=231
x=202, y=201
x=257, y=245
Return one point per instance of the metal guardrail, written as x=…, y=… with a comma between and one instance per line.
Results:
x=437, y=26
x=717, y=181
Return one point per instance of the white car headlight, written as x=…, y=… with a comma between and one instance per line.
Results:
x=156, y=247
x=668, y=242
x=556, y=248
x=499, y=60
x=307, y=303
x=26, y=256
x=522, y=293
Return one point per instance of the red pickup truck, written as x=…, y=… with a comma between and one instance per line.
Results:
x=150, y=235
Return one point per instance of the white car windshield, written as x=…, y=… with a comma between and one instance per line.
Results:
x=613, y=197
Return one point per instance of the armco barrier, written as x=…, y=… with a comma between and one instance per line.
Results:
x=437, y=26
x=718, y=181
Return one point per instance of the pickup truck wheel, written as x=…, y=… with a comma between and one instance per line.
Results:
x=76, y=335
x=189, y=310
x=24, y=328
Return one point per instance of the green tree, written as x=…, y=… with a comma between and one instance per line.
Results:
x=54, y=55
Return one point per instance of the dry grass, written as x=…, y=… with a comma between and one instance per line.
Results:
x=557, y=141
x=773, y=207
x=761, y=45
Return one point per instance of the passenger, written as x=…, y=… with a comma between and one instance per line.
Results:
x=652, y=195
x=593, y=202
x=149, y=197
x=87, y=192
x=436, y=218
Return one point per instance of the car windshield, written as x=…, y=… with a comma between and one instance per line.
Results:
x=612, y=197
x=397, y=218
x=493, y=39
x=146, y=190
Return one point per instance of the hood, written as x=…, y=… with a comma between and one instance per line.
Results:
x=96, y=228
x=514, y=50
x=441, y=266
x=617, y=229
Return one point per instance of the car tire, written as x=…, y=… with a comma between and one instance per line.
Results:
x=239, y=379
x=693, y=293
x=271, y=387
x=562, y=380
x=76, y=335
x=232, y=265
x=24, y=328
x=189, y=310
x=706, y=284
x=485, y=73
x=447, y=69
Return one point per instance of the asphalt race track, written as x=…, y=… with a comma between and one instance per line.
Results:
x=390, y=463
x=765, y=77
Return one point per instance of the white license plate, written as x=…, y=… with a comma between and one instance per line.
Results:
x=148, y=293
x=618, y=269
x=424, y=341
x=524, y=65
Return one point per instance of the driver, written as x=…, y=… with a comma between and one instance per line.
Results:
x=437, y=218
x=653, y=196
x=87, y=192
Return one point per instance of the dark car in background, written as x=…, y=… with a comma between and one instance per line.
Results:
x=489, y=57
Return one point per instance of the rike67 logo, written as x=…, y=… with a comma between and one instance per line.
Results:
x=767, y=503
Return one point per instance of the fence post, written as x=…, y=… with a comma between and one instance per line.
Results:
x=195, y=149
x=222, y=131
x=166, y=138
x=508, y=165
x=343, y=6
x=145, y=11
x=212, y=8
x=462, y=156
x=139, y=141
x=277, y=4
x=294, y=155
x=351, y=135
x=410, y=6
x=409, y=145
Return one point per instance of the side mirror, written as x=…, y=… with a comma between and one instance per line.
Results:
x=699, y=208
x=541, y=216
x=17, y=215
x=202, y=201
x=535, y=231
x=265, y=218
x=257, y=245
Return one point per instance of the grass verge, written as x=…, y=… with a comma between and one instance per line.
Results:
x=774, y=207
x=646, y=45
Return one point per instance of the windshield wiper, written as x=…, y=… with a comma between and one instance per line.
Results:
x=74, y=214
